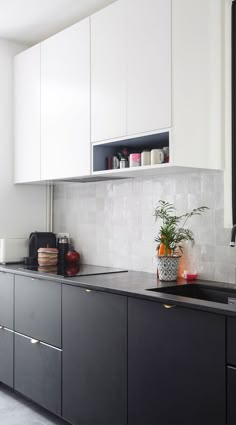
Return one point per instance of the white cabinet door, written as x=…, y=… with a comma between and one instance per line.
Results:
x=65, y=103
x=27, y=115
x=198, y=82
x=108, y=73
x=130, y=68
x=148, y=65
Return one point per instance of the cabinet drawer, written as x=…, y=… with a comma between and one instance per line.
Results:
x=38, y=309
x=231, y=341
x=6, y=356
x=38, y=372
x=6, y=299
x=231, y=391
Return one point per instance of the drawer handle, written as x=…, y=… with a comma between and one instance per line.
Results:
x=88, y=290
x=168, y=306
x=34, y=341
x=1, y=327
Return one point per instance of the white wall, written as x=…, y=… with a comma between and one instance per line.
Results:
x=23, y=208
x=112, y=223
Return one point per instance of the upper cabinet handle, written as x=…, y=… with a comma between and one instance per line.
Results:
x=34, y=341
x=169, y=305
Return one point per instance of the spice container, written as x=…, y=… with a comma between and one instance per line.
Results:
x=135, y=160
x=124, y=163
x=146, y=158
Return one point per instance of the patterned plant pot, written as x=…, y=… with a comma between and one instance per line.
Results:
x=168, y=267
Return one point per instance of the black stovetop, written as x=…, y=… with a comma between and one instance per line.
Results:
x=71, y=270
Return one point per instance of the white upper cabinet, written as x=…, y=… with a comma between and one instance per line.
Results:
x=27, y=115
x=108, y=73
x=130, y=68
x=135, y=68
x=148, y=43
x=65, y=103
x=198, y=82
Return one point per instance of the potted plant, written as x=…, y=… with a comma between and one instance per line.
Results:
x=171, y=234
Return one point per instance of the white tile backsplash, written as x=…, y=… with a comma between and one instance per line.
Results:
x=112, y=222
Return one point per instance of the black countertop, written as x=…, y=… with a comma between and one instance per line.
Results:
x=135, y=284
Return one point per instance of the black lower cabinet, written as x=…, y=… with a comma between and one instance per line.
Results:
x=38, y=373
x=231, y=395
x=176, y=366
x=94, y=368
x=6, y=299
x=231, y=341
x=6, y=356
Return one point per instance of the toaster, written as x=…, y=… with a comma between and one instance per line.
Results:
x=13, y=250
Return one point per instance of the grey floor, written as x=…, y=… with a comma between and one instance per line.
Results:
x=15, y=410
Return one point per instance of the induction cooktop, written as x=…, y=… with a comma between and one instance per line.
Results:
x=72, y=270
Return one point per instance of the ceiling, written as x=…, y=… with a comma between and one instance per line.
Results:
x=31, y=21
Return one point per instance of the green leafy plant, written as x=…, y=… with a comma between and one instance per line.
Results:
x=173, y=231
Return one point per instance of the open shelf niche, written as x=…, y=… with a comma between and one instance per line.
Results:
x=103, y=150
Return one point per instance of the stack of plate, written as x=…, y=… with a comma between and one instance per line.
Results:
x=47, y=257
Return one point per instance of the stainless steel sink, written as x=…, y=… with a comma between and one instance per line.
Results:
x=200, y=292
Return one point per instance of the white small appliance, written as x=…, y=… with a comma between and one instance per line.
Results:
x=13, y=250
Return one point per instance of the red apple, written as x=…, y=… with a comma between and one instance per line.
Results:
x=72, y=257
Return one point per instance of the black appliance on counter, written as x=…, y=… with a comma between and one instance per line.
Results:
x=39, y=240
